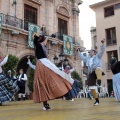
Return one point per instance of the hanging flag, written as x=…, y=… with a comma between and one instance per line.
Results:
x=68, y=46
x=32, y=30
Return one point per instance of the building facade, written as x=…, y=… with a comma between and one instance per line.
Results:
x=107, y=26
x=53, y=16
x=93, y=37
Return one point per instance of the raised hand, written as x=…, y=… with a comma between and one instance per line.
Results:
x=103, y=40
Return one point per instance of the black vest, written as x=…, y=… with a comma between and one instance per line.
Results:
x=39, y=52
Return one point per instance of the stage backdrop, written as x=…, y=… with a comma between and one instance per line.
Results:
x=33, y=29
x=68, y=45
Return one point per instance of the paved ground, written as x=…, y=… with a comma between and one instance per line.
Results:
x=80, y=109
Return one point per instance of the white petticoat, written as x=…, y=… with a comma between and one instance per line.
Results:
x=54, y=68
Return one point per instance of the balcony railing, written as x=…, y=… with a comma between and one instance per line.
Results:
x=110, y=42
x=12, y=21
x=15, y=22
x=108, y=66
x=19, y=23
x=60, y=37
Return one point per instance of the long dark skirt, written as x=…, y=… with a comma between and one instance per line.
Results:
x=7, y=89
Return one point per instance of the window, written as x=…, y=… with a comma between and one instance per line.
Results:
x=109, y=55
x=62, y=28
x=111, y=36
x=30, y=15
x=109, y=11
x=117, y=6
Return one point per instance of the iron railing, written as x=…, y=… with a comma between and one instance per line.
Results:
x=111, y=42
x=12, y=21
x=19, y=23
x=60, y=37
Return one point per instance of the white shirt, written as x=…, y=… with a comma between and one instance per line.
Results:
x=31, y=65
x=3, y=62
x=25, y=77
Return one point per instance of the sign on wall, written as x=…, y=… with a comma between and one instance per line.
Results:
x=68, y=46
x=0, y=25
x=32, y=30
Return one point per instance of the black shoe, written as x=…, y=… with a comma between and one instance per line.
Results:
x=0, y=103
x=19, y=99
x=46, y=107
x=96, y=102
x=24, y=98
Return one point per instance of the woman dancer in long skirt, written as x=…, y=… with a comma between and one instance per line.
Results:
x=49, y=81
x=115, y=67
x=7, y=87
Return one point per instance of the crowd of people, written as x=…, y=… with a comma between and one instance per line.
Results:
x=51, y=83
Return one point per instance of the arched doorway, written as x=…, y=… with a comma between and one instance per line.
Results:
x=23, y=65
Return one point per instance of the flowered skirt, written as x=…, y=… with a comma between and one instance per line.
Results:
x=7, y=89
x=48, y=85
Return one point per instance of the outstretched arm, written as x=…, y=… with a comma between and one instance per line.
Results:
x=4, y=60
x=82, y=57
x=102, y=49
x=30, y=64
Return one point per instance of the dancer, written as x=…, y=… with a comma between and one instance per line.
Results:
x=7, y=87
x=22, y=78
x=75, y=87
x=49, y=81
x=115, y=67
x=94, y=69
x=10, y=76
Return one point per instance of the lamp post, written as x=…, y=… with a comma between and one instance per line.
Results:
x=14, y=3
x=61, y=59
x=55, y=59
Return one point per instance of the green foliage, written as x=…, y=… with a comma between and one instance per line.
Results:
x=11, y=64
x=75, y=75
x=31, y=78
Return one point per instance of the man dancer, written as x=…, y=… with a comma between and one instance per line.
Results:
x=21, y=83
x=94, y=68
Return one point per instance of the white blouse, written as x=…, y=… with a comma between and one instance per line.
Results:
x=3, y=62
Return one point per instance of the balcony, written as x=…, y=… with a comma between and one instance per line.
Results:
x=15, y=22
x=60, y=37
x=111, y=42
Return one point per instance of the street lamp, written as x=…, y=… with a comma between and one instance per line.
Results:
x=62, y=61
x=66, y=61
x=61, y=56
x=55, y=59
x=14, y=3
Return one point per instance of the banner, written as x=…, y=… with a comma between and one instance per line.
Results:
x=32, y=30
x=68, y=46
x=0, y=25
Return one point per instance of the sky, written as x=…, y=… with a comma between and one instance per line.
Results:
x=86, y=20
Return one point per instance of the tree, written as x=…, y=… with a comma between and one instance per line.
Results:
x=31, y=77
x=75, y=75
x=11, y=64
x=30, y=80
